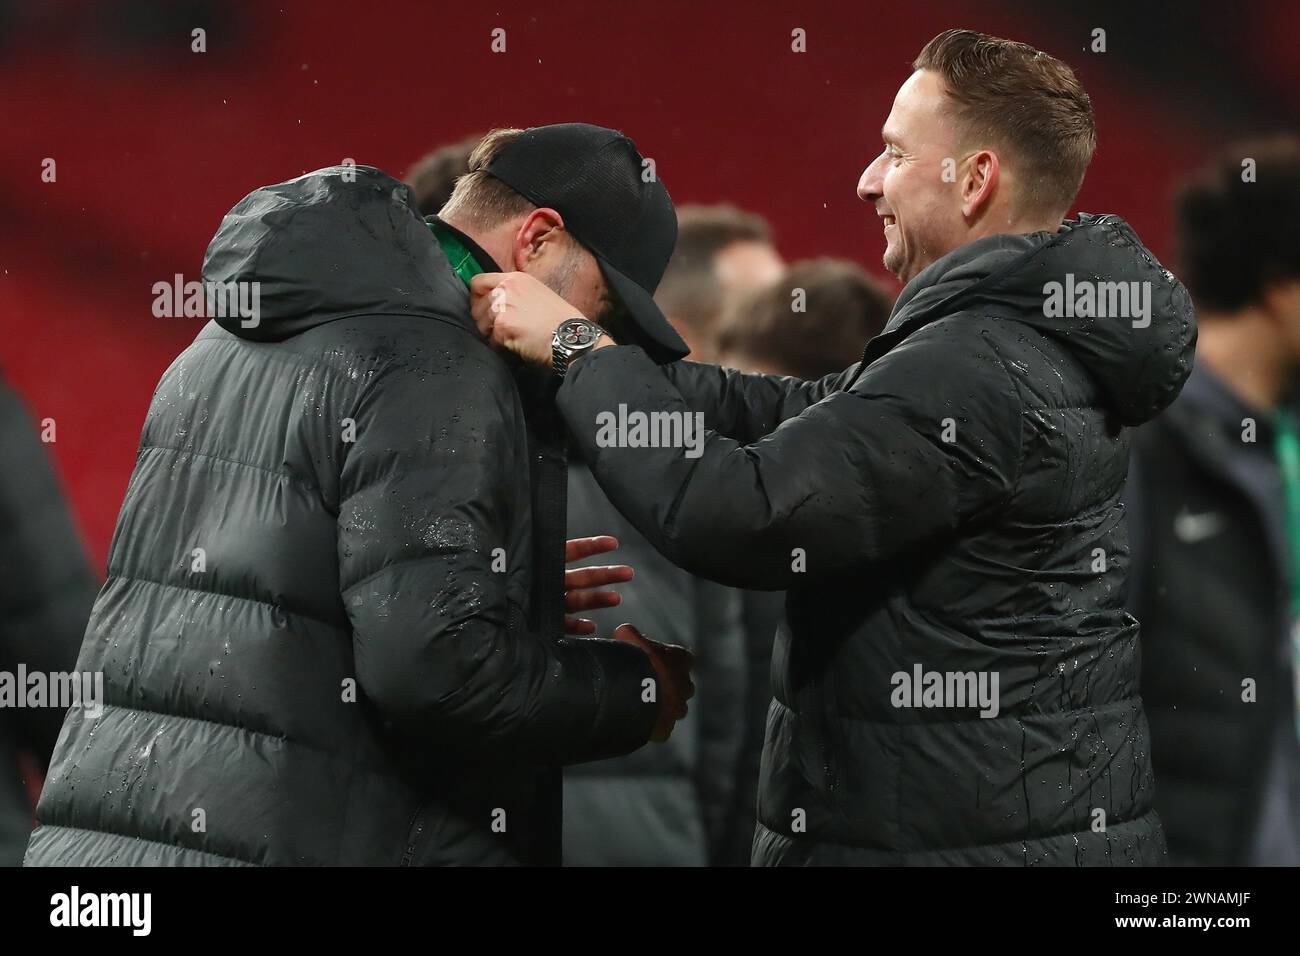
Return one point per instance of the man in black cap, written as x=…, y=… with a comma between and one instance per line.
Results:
x=587, y=188
x=333, y=627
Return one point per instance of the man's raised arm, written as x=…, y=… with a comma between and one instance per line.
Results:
x=745, y=405
x=859, y=477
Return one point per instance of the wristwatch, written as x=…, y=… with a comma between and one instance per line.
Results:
x=574, y=337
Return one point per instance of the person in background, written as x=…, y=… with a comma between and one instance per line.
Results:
x=433, y=176
x=675, y=805
x=815, y=321
x=667, y=805
x=46, y=589
x=722, y=253
x=1214, y=502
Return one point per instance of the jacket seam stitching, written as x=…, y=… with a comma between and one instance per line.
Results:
x=307, y=361
x=913, y=851
x=240, y=728
x=1020, y=421
x=123, y=576
x=144, y=839
x=345, y=588
x=289, y=476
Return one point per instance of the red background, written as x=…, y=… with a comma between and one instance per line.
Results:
x=154, y=143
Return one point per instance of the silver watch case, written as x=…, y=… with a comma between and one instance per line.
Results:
x=572, y=338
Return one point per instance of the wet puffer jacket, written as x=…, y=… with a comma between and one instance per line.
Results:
x=950, y=505
x=319, y=635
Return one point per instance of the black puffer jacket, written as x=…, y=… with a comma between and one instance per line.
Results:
x=337, y=498
x=950, y=504
x=1211, y=586
x=46, y=589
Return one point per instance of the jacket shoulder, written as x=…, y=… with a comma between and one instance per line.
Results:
x=957, y=357
x=360, y=346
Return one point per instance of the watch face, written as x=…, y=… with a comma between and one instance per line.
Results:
x=576, y=333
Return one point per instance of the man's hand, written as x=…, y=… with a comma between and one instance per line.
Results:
x=519, y=313
x=672, y=665
x=579, y=582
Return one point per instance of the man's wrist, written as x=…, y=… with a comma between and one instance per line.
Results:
x=576, y=333
x=601, y=342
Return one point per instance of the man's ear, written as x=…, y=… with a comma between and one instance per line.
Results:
x=979, y=183
x=532, y=240
x=1282, y=300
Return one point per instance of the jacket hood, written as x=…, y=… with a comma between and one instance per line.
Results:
x=337, y=242
x=1092, y=286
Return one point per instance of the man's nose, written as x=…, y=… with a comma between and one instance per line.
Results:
x=870, y=185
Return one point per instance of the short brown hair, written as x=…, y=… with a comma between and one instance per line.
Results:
x=434, y=175
x=1024, y=101
x=483, y=200
x=843, y=309
x=689, y=291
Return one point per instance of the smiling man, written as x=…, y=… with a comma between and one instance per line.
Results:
x=950, y=503
x=940, y=181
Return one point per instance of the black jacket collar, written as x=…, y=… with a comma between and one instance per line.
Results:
x=485, y=261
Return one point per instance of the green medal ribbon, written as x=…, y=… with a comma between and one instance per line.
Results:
x=1287, y=447
x=458, y=255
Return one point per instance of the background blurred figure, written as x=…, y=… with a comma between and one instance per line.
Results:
x=1214, y=497
x=434, y=175
x=46, y=589
x=675, y=805
x=815, y=321
x=722, y=253
x=844, y=308
x=665, y=805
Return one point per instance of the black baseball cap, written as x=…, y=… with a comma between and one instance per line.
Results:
x=592, y=176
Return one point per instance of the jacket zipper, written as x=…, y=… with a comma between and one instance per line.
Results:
x=413, y=836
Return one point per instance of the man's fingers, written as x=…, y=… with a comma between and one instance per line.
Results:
x=591, y=600
x=485, y=282
x=681, y=656
x=480, y=299
x=628, y=632
x=576, y=549
x=488, y=293
x=579, y=626
x=578, y=579
x=484, y=320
